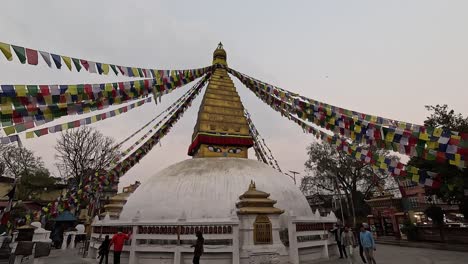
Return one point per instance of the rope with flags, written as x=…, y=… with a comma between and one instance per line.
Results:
x=427, y=143
x=262, y=151
x=31, y=57
x=361, y=153
x=30, y=110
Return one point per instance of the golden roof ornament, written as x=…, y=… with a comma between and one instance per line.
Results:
x=254, y=201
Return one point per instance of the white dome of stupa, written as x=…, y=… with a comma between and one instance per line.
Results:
x=208, y=188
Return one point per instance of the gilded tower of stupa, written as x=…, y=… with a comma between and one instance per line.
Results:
x=221, y=129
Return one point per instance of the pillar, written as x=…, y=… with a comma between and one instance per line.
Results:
x=72, y=242
x=177, y=255
x=65, y=239
x=132, y=254
x=293, y=249
x=235, y=245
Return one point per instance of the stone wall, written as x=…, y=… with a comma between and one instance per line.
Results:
x=457, y=235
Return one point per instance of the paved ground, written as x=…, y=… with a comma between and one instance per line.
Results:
x=385, y=254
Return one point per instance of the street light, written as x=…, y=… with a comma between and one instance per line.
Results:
x=294, y=175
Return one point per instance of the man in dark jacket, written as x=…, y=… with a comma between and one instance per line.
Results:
x=198, y=248
x=338, y=232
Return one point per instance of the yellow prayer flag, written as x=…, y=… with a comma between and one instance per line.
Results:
x=72, y=89
x=389, y=136
x=20, y=90
x=108, y=87
x=62, y=105
x=328, y=110
x=424, y=136
x=7, y=109
x=415, y=178
x=437, y=132
x=357, y=129
x=432, y=145
x=67, y=61
x=9, y=130
x=137, y=85
x=373, y=119
x=358, y=155
x=455, y=137
x=65, y=126
x=383, y=165
x=105, y=68
x=135, y=72
x=93, y=119
x=48, y=99
x=353, y=135
x=6, y=50
x=29, y=134
x=414, y=170
x=457, y=159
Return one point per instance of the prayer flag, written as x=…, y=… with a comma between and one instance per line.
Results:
x=32, y=56
x=77, y=64
x=105, y=68
x=57, y=60
x=92, y=67
x=6, y=50
x=67, y=61
x=20, y=52
x=46, y=57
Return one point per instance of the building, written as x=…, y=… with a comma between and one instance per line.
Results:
x=247, y=211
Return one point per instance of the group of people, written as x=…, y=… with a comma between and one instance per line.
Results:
x=119, y=239
x=346, y=241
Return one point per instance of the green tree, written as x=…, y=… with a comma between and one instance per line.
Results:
x=455, y=180
x=331, y=169
x=34, y=183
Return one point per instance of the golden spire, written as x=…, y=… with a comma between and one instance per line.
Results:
x=221, y=129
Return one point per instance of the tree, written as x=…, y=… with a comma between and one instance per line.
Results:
x=332, y=169
x=455, y=180
x=82, y=152
x=29, y=171
x=17, y=161
x=34, y=183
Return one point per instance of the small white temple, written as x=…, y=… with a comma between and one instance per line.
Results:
x=247, y=211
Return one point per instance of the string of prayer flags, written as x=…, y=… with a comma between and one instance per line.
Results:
x=85, y=121
x=429, y=143
x=125, y=165
x=377, y=161
x=168, y=110
x=31, y=57
x=38, y=104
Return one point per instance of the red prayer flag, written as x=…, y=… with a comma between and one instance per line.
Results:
x=44, y=90
x=32, y=56
x=85, y=64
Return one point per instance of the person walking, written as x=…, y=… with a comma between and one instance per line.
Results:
x=118, y=242
x=104, y=250
x=368, y=244
x=338, y=232
x=198, y=251
x=349, y=241
x=361, y=250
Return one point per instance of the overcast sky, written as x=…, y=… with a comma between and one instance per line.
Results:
x=387, y=58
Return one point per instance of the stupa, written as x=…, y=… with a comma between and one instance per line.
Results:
x=248, y=212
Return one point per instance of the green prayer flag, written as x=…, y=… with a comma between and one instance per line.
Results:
x=32, y=90
x=20, y=52
x=114, y=69
x=77, y=64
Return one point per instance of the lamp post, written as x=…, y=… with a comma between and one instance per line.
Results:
x=294, y=175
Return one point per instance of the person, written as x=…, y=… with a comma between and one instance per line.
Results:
x=104, y=250
x=349, y=241
x=361, y=250
x=198, y=251
x=118, y=242
x=368, y=244
x=338, y=231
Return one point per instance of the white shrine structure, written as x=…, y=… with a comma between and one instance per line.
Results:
x=247, y=211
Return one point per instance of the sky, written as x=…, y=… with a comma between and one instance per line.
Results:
x=387, y=58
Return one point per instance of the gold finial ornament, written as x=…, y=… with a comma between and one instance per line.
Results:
x=221, y=129
x=254, y=201
x=219, y=55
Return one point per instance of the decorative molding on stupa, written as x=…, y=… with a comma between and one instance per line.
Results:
x=254, y=201
x=117, y=202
